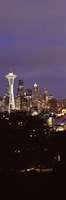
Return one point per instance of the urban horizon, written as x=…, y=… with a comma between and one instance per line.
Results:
x=29, y=84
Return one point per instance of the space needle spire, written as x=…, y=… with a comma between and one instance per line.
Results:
x=11, y=78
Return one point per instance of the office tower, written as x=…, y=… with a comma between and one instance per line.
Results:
x=35, y=93
x=53, y=105
x=45, y=95
x=28, y=93
x=35, y=88
x=20, y=89
x=28, y=96
x=51, y=97
x=19, y=100
x=20, y=103
x=11, y=78
x=36, y=96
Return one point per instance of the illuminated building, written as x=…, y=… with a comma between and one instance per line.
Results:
x=1, y=104
x=28, y=96
x=35, y=94
x=28, y=93
x=17, y=103
x=35, y=88
x=50, y=121
x=60, y=123
x=11, y=78
x=53, y=105
x=20, y=89
x=43, y=104
x=20, y=101
x=51, y=97
x=37, y=98
x=45, y=95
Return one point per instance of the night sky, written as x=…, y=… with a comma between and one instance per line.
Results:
x=33, y=43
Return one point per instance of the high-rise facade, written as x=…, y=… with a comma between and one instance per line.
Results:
x=28, y=96
x=28, y=93
x=36, y=97
x=45, y=95
x=20, y=101
x=20, y=89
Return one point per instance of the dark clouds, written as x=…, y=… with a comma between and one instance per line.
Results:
x=33, y=41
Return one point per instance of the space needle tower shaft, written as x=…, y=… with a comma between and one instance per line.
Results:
x=11, y=78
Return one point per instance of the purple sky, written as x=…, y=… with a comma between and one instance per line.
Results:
x=33, y=43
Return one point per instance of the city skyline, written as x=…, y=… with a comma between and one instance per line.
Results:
x=33, y=43
x=26, y=86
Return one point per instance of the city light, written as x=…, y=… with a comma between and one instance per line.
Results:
x=34, y=101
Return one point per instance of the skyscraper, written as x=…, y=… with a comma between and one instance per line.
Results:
x=45, y=94
x=35, y=94
x=20, y=89
x=19, y=100
x=28, y=96
x=35, y=88
x=28, y=93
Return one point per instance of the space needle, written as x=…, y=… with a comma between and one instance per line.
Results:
x=11, y=78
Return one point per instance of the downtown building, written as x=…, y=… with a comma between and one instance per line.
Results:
x=20, y=101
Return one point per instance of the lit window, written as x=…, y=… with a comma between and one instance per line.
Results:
x=33, y=130
x=30, y=136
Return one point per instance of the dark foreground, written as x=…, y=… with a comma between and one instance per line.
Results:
x=27, y=142
x=33, y=185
